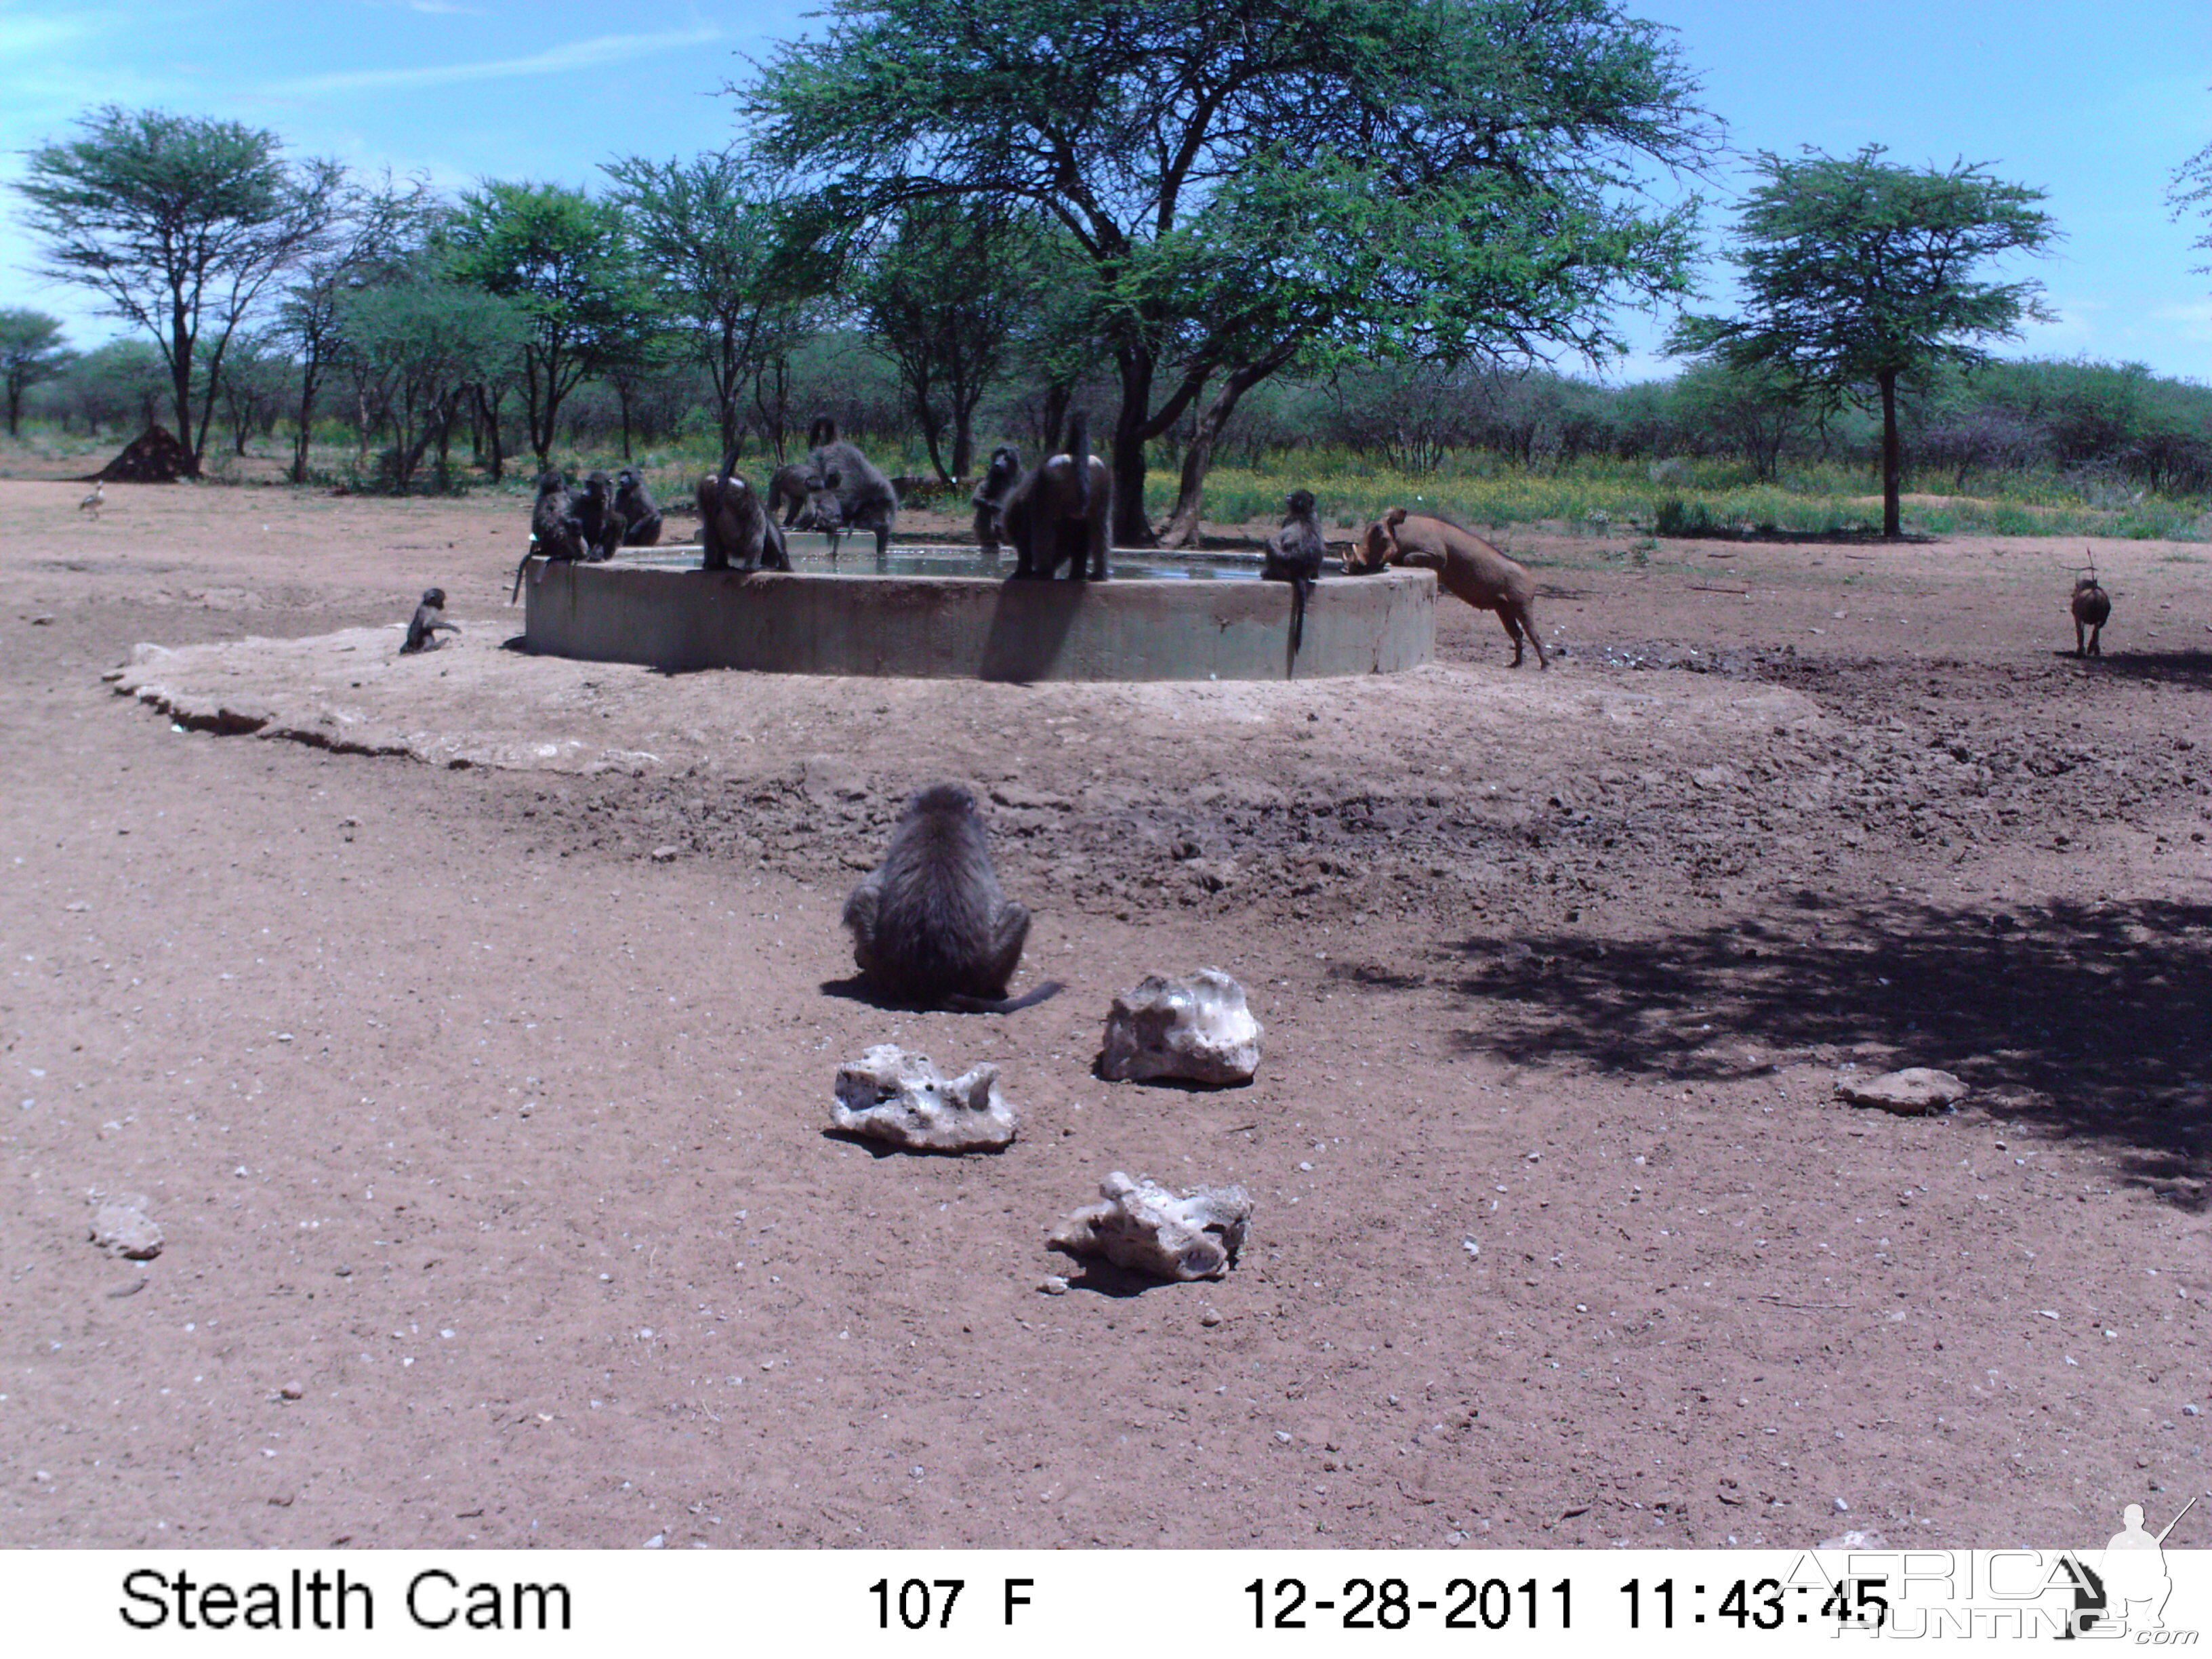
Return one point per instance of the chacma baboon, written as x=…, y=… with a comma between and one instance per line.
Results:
x=1061, y=510
x=2092, y=608
x=734, y=530
x=633, y=505
x=989, y=500
x=1465, y=564
x=786, y=492
x=930, y=928
x=866, y=500
x=555, y=532
x=429, y=617
x=92, y=502
x=1294, y=554
x=823, y=513
x=596, y=511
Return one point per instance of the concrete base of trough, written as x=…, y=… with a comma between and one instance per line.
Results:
x=971, y=628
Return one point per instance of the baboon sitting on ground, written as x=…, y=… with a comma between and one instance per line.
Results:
x=429, y=617
x=931, y=928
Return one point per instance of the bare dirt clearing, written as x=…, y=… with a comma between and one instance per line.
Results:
x=500, y=1139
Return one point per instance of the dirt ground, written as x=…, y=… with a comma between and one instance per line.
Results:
x=468, y=1023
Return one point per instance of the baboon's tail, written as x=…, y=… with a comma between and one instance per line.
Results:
x=519, y=569
x=968, y=1005
x=1078, y=451
x=1300, y=587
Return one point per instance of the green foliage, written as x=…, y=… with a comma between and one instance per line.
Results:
x=179, y=223
x=1259, y=182
x=734, y=262
x=945, y=297
x=417, y=346
x=31, y=350
x=1859, y=275
x=561, y=258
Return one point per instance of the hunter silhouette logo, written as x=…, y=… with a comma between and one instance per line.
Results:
x=2134, y=1576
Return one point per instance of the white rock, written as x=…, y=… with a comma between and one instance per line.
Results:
x=121, y=1226
x=1147, y=1229
x=891, y=1095
x=1909, y=1092
x=1196, y=1029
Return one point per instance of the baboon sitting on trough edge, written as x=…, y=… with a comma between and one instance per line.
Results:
x=989, y=500
x=422, y=628
x=634, y=504
x=1062, y=509
x=596, y=511
x=555, y=532
x=1294, y=554
x=1466, y=565
x=931, y=928
x=735, y=531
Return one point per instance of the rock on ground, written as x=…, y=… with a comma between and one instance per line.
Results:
x=1198, y=1029
x=891, y=1095
x=1142, y=1226
x=1909, y=1093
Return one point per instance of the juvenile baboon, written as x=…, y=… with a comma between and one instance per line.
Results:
x=989, y=500
x=866, y=500
x=428, y=619
x=2092, y=608
x=1465, y=564
x=930, y=928
x=633, y=505
x=1061, y=510
x=1294, y=554
x=823, y=513
x=91, y=503
x=555, y=532
x=596, y=511
x=786, y=492
x=734, y=530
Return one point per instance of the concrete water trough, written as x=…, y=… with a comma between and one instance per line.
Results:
x=1160, y=617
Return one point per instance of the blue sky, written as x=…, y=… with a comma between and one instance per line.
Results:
x=2095, y=104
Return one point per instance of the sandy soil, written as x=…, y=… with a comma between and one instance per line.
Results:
x=468, y=1023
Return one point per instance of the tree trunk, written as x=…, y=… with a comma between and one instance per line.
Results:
x=489, y=408
x=1131, y=526
x=1891, y=529
x=1181, y=529
x=964, y=439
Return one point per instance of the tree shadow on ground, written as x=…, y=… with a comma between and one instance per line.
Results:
x=2089, y=1018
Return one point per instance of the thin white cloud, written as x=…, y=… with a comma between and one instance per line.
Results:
x=561, y=60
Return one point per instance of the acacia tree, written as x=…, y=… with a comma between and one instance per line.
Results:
x=1859, y=275
x=563, y=259
x=720, y=244
x=375, y=231
x=1249, y=184
x=2192, y=192
x=418, y=346
x=943, y=298
x=31, y=350
x=179, y=222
